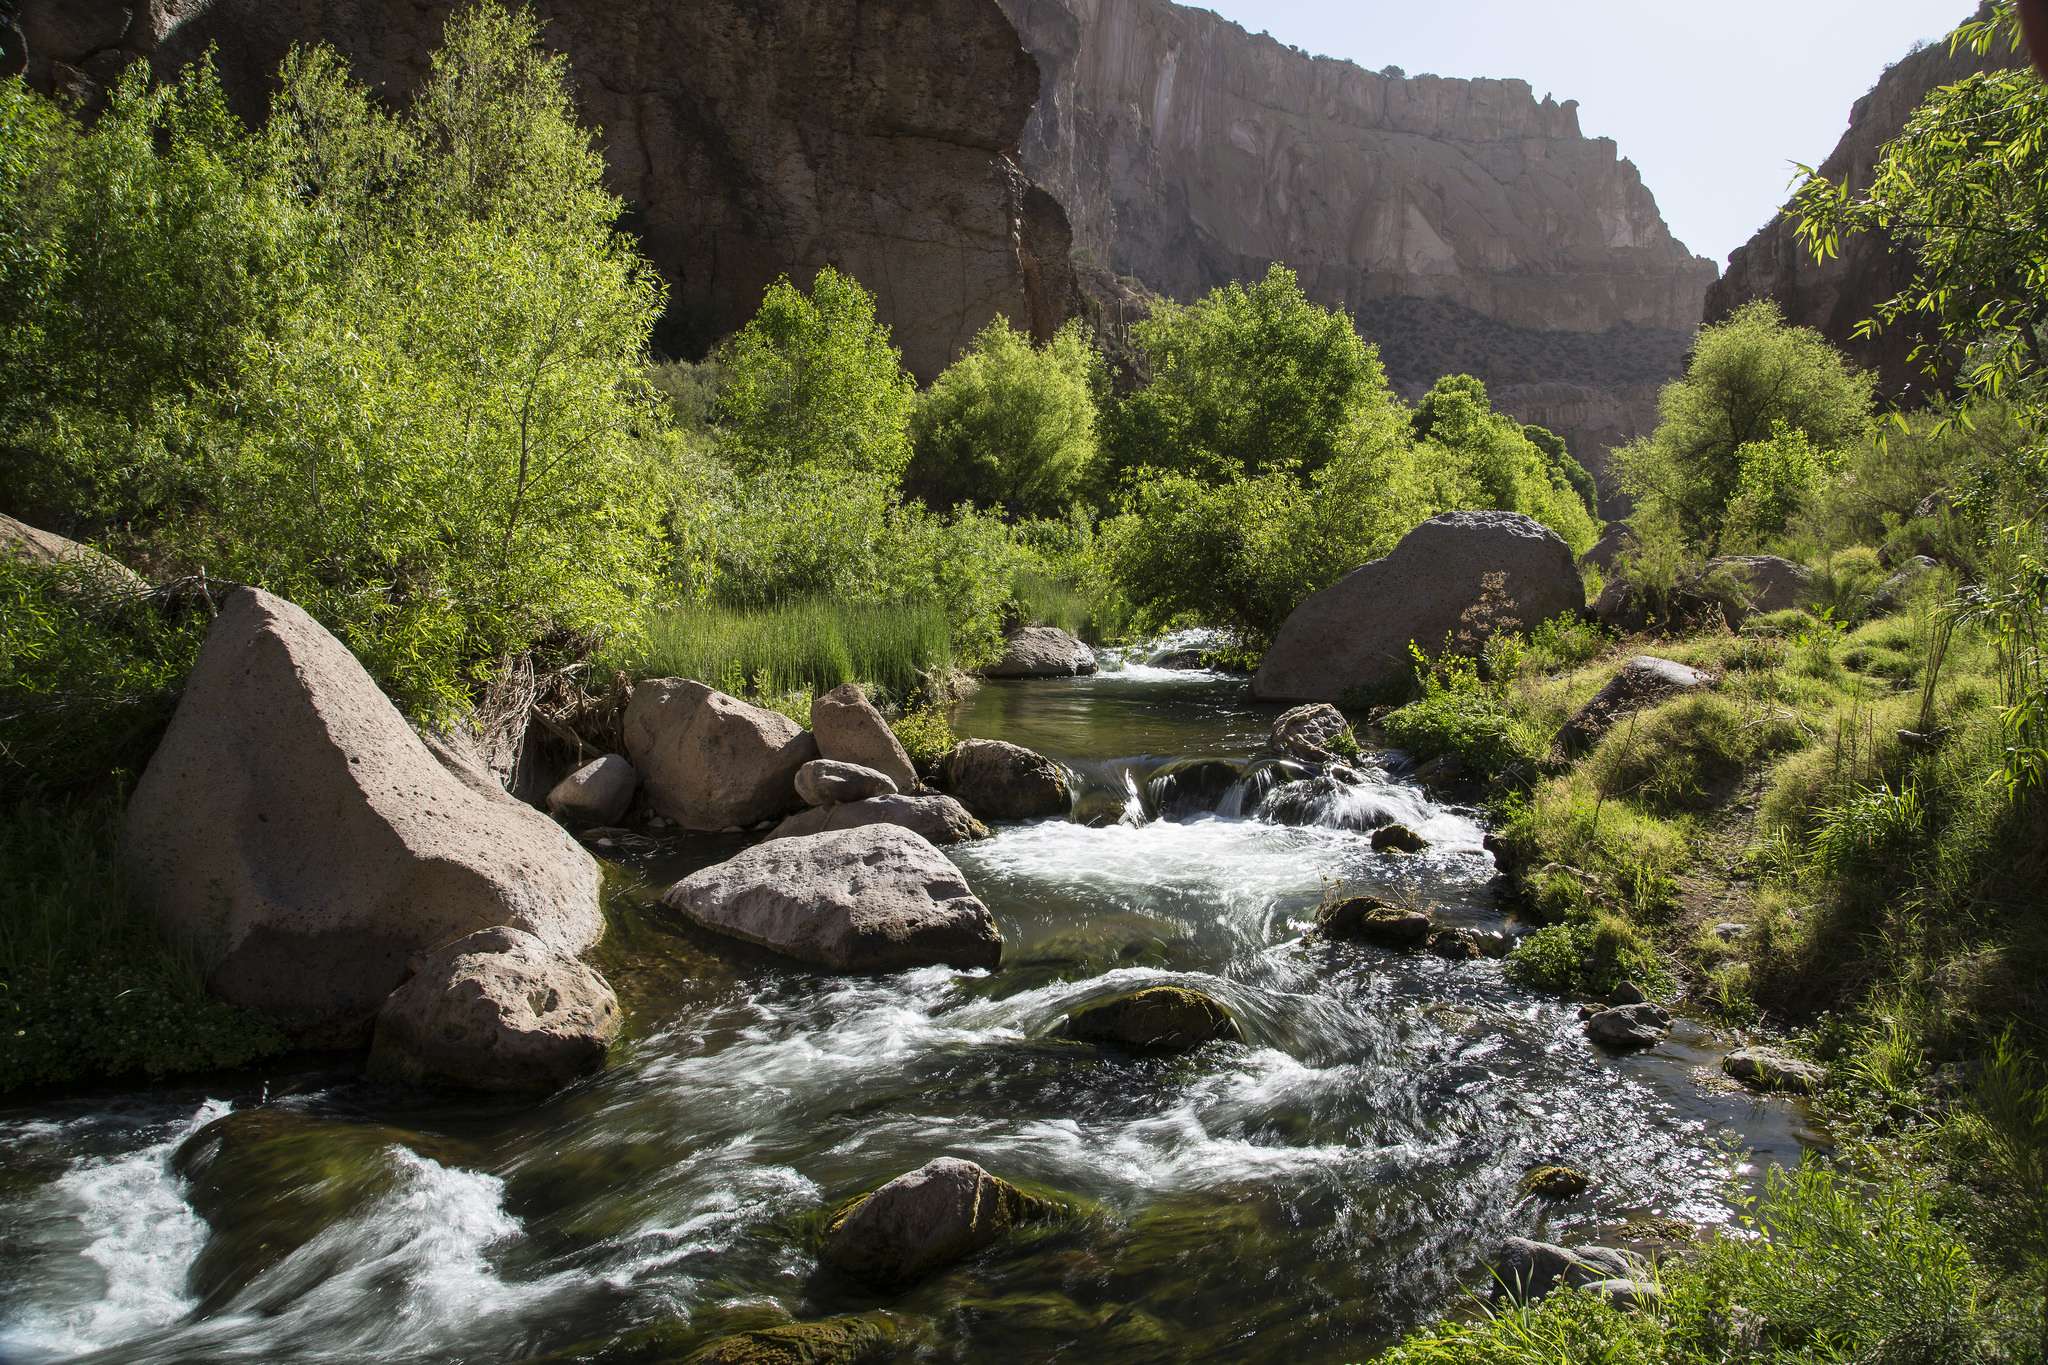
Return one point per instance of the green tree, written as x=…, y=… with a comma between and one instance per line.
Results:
x=1749, y=376
x=1247, y=380
x=1480, y=458
x=813, y=382
x=1775, y=480
x=1010, y=425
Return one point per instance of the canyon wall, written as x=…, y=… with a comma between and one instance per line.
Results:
x=748, y=138
x=1835, y=295
x=1455, y=218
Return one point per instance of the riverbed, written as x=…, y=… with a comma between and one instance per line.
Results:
x=1304, y=1196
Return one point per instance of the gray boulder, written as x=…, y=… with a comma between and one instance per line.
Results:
x=1041, y=652
x=1154, y=1019
x=45, y=549
x=932, y=1217
x=1764, y=1068
x=1745, y=585
x=598, y=793
x=1613, y=541
x=710, y=761
x=1643, y=681
x=850, y=730
x=1000, y=781
x=296, y=834
x=940, y=819
x=1355, y=633
x=871, y=899
x=1304, y=732
x=827, y=782
x=1628, y=1026
x=1525, y=1270
x=495, y=1010
x=1893, y=590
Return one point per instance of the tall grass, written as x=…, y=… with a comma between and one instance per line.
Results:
x=810, y=645
x=1053, y=599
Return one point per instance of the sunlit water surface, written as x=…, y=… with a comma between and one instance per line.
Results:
x=1304, y=1196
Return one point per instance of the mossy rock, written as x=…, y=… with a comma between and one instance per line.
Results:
x=1367, y=920
x=268, y=1181
x=927, y=1219
x=846, y=1340
x=1397, y=839
x=1155, y=1019
x=1556, y=1182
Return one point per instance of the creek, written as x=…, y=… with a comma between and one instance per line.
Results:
x=1304, y=1196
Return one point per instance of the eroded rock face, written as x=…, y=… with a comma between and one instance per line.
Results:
x=924, y=1220
x=1355, y=633
x=1041, y=652
x=298, y=835
x=710, y=761
x=849, y=729
x=1836, y=295
x=940, y=819
x=1470, y=225
x=871, y=899
x=750, y=139
x=1002, y=781
x=495, y=1010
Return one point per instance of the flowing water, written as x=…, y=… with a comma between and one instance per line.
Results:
x=1303, y=1196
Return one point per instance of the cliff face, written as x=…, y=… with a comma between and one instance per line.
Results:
x=749, y=138
x=1834, y=296
x=1450, y=215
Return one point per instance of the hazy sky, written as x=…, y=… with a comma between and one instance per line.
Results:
x=1712, y=101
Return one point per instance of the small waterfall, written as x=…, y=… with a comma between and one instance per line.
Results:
x=1134, y=801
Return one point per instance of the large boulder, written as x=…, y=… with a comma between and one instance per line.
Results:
x=45, y=549
x=1759, y=584
x=1460, y=576
x=495, y=1010
x=850, y=730
x=598, y=793
x=827, y=782
x=940, y=819
x=710, y=761
x=1154, y=1019
x=1041, y=652
x=1625, y=1027
x=927, y=1219
x=1002, y=781
x=294, y=833
x=871, y=899
x=1643, y=681
x=1304, y=733
x=1616, y=539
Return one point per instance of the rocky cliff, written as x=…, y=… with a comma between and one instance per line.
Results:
x=1467, y=223
x=1834, y=296
x=749, y=138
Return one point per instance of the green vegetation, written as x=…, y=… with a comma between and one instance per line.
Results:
x=810, y=644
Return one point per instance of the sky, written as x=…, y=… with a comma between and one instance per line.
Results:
x=1714, y=102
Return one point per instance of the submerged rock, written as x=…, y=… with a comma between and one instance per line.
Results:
x=1354, y=635
x=849, y=729
x=1765, y=1068
x=596, y=794
x=713, y=762
x=1397, y=839
x=1367, y=920
x=298, y=836
x=1000, y=781
x=495, y=1010
x=1628, y=1026
x=940, y=819
x=1189, y=787
x=1155, y=1019
x=850, y=1339
x=1643, y=681
x=1304, y=733
x=826, y=782
x=927, y=1219
x=871, y=899
x=1041, y=652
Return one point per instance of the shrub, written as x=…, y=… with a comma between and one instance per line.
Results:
x=926, y=736
x=1871, y=831
x=1461, y=715
x=813, y=383
x=1590, y=954
x=1565, y=641
x=1477, y=457
x=1010, y=426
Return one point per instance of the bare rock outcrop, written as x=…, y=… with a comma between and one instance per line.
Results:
x=1835, y=295
x=750, y=139
x=295, y=833
x=1470, y=225
x=1355, y=633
